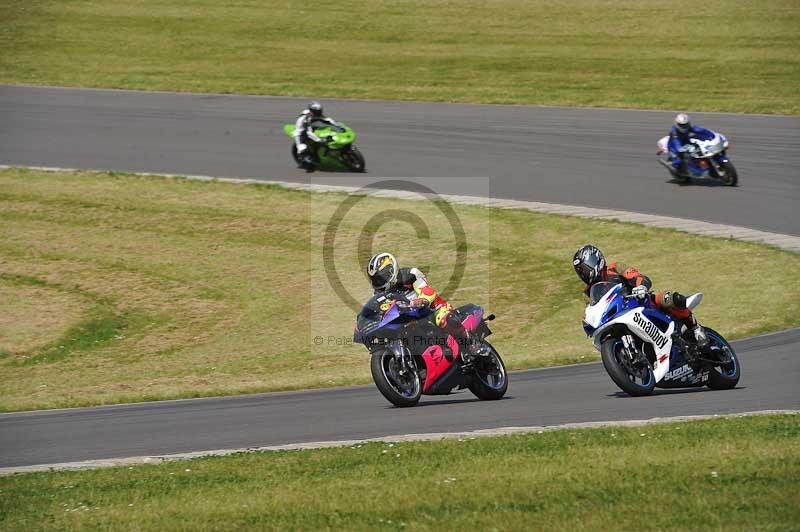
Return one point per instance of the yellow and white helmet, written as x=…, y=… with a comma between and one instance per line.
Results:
x=382, y=270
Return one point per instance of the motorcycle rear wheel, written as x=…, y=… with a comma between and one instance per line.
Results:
x=490, y=380
x=621, y=371
x=400, y=389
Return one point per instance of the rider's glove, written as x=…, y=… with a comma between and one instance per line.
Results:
x=639, y=292
x=419, y=302
x=313, y=137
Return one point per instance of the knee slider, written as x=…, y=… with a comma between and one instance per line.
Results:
x=664, y=299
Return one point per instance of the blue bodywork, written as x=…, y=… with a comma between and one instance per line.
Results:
x=696, y=167
x=619, y=305
x=391, y=322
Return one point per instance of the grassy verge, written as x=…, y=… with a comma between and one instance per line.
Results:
x=122, y=288
x=726, y=474
x=720, y=56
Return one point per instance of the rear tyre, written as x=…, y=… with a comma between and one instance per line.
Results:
x=729, y=175
x=490, y=380
x=354, y=160
x=631, y=379
x=399, y=387
x=727, y=376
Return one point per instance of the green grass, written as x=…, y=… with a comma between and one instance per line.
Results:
x=713, y=56
x=118, y=288
x=722, y=475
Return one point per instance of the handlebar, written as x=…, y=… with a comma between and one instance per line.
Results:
x=636, y=296
x=414, y=304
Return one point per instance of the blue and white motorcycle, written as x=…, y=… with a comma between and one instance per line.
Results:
x=642, y=347
x=705, y=158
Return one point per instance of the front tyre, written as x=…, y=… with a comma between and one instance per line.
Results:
x=633, y=378
x=400, y=386
x=728, y=174
x=490, y=380
x=354, y=160
x=725, y=376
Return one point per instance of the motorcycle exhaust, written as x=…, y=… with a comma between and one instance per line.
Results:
x=666, y=164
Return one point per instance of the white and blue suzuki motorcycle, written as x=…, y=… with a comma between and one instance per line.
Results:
x=642, y=347
x=707, y=157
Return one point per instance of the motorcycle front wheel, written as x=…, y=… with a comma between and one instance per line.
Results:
x=726, y=376
x=354, y=160
x=490, y=381
x=631, y=379
x=729, y=176
x=400, y=386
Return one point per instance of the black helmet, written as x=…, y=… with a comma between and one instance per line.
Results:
x=315, y=108
x=682, y=123
x=589, y=264
x=382, y=270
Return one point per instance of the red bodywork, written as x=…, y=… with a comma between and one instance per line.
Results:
x=437, y=362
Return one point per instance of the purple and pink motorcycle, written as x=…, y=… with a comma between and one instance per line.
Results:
x=411, y=356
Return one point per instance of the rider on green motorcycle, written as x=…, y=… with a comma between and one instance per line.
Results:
x=303, y=134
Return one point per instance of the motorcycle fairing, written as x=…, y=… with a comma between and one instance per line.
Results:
x=437, y=361
x=335, y=138
x=682, y=375
x=714, y=147
x=612, y=309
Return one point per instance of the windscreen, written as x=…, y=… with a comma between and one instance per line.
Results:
x=320, y=124
x=599, y=290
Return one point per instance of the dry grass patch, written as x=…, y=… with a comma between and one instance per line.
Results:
x=32, y=316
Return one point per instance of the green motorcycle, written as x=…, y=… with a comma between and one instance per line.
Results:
x=334, y=151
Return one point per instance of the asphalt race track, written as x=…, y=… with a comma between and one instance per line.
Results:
x=590, y=157
x=771, y=371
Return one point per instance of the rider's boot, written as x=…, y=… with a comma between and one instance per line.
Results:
x=473, y=348
x=469, y=345
x=681, y=165
x=695, y=333
x=307, y=162
x=700, y=336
